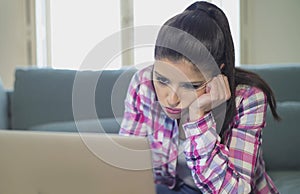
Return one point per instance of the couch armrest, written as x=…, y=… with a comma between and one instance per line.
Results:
x=3, y=108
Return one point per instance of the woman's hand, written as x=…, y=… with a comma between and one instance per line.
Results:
x=217, y=91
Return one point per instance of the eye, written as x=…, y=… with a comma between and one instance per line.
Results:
x=162, y=80
x=190, y=86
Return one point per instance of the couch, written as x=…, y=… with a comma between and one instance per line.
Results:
x=45, y=100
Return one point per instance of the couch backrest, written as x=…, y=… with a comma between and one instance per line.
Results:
x=283, y=79
x=45, y=95
x=280, y=139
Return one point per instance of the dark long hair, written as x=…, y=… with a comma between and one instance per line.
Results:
x=209, y=25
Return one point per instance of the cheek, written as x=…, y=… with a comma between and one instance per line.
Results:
x=161, y=92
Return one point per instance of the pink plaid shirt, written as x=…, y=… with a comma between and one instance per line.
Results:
x=236, y=166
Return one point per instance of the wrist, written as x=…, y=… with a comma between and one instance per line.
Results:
x=195, y=114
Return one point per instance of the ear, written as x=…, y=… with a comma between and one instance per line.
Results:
x=222, y=65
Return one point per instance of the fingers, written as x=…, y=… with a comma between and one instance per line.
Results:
x=227, y=91
x=225, y=85
x=219, y=90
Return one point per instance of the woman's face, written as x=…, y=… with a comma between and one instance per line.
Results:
x=177, y=85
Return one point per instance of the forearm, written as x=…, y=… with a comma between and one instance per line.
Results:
x=209, y=161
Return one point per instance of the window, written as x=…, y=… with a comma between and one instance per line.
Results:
x=78, y=26
x=155, y=12
x=232, y=10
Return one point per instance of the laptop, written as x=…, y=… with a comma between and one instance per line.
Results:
x=74, y=163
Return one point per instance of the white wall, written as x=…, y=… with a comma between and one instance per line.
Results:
x=269, y=34
x=270, y=31
x=15, y=39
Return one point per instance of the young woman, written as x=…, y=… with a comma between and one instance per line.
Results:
x=203, y=116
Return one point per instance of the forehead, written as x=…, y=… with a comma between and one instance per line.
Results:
x=178, y=70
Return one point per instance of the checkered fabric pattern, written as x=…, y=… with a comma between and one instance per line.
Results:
x=236, y=166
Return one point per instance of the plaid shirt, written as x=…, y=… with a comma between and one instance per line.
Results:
x=236, y=166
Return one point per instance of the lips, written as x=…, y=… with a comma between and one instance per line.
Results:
x=173, y=110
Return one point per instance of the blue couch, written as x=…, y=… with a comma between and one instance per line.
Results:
x=42, y=101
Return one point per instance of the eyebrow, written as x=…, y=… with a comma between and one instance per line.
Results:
x=159, y=74
x=196, y=82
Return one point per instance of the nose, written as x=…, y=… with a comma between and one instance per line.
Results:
x=173, y=98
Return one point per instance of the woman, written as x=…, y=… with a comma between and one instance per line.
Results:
x=203, y=116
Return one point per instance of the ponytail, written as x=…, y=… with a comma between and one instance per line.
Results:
x=235, y=75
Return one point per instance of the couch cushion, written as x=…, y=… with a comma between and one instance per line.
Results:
x=43, y=96
x=286, y=181
x=283, y=79
x=92, y=126
x=3, y=107
x=280, y=139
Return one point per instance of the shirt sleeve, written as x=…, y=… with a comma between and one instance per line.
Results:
x=134, y=120
x=217, y=168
